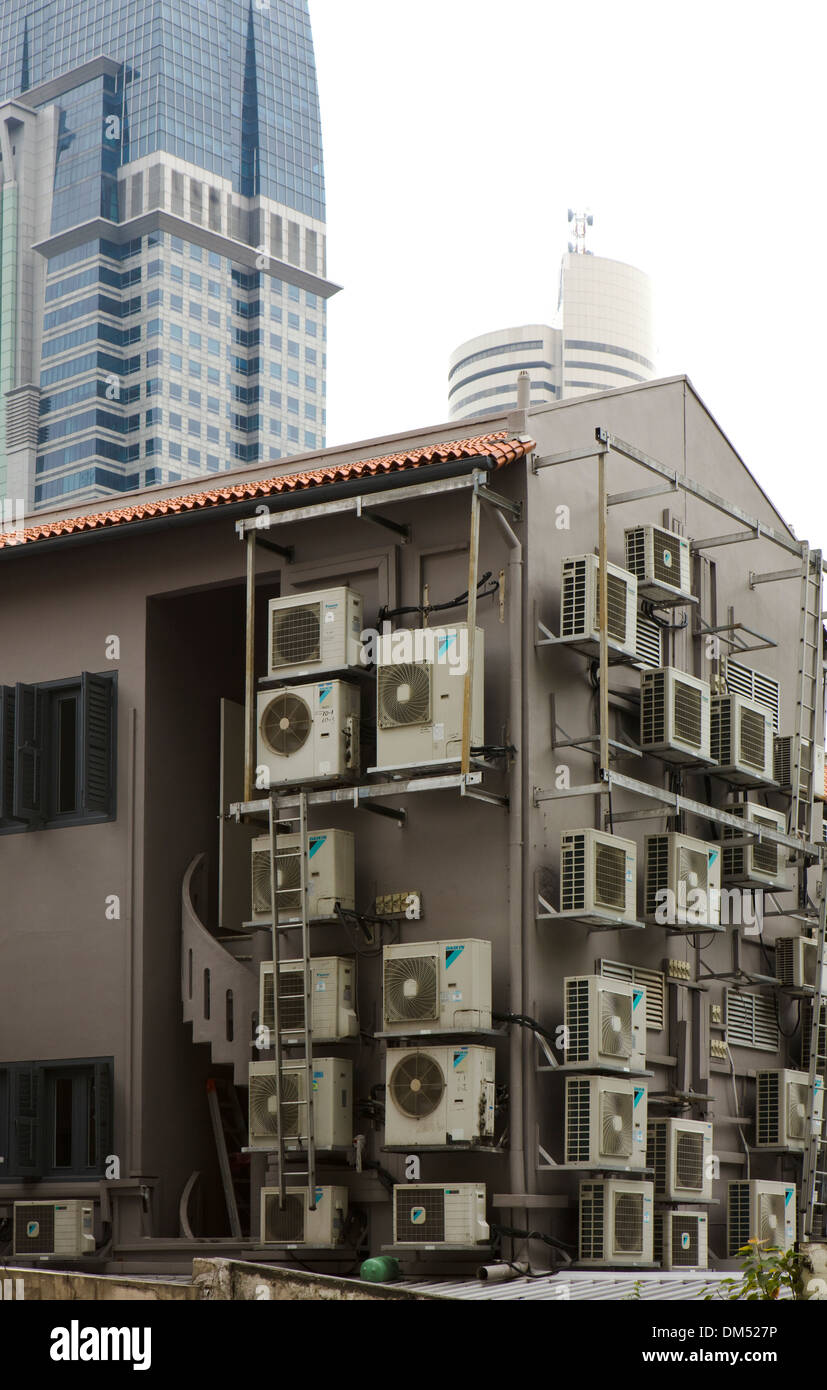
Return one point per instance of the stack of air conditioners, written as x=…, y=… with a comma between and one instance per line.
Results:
x=679, y=1152
x=308, y=726
x=605, y=1116
x=420, y=694
x=439, y=1085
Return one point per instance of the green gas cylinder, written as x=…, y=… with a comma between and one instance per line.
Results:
x=381, y=1269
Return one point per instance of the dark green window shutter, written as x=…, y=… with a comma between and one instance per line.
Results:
x=104, y=1128
x=26, y=1112
x=28, y=774
x=97, y=751
x=6, y=752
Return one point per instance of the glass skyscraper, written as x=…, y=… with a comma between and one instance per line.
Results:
x=162, y=243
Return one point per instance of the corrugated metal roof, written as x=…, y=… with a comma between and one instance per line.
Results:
x=500, y=446
x=578, y=1286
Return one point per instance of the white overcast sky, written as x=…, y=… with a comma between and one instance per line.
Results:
x=458, y=132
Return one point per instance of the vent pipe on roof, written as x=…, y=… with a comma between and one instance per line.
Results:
x=523, y=391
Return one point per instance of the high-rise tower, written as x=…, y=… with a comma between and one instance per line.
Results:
x=162, y=242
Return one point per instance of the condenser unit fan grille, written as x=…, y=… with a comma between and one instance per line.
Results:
x=286, y=723
x=289, y=880
x=577, y=1020
x=42, y=1240
x=768, y=1129
x=721, y=731
x=666, y=558
x=688, y=714
x=610, y=876
x=615, y=1125
x=417, y=1085
x=782, y=764
x=653, y=709
x=657, y=870
x=771, y=1217
x=616, y=596
x=291, y=999
x=411, y=988
x=284, y=1223
x=693, y=867
x=592, y=1239
x=263, y=1104
x=573, y=617
x=685, y=1241
x=796, y=1111
x=404, y=695
x=628, y=1223
x=751, y=750
x=615, y=1024
x=573, y=874
x=261, y=880
x=689, y=1161
x=420, y=1214
x=296, y=635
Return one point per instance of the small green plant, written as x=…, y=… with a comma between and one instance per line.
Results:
x=634, y=1292
x=766, y=1270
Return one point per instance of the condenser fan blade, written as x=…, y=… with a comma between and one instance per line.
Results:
x=417, y=1085
x=404, y=695
x=286, y=724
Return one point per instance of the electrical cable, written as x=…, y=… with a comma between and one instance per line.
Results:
x=425, y=608
x=525, y=1022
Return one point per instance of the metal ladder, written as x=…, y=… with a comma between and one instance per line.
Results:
x=283, y=1171
x=809, y=669
x=814, y=1175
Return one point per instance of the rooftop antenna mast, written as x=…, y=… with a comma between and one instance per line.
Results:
x=579, y=221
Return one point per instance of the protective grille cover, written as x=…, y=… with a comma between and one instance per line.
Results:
x=420, y=1215
x=296, y=636
x=417, y=1085
x=628, y=1223
x=411, y=988
x=404, y=694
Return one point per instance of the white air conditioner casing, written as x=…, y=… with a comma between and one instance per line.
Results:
x=760, y=1210
x=605, y=1122
x=332, y=998
x=690, y=871
x=605, y=1023
x=761, y=863
x=332, y=1104
x=420, y=691
x=434, y=986
x=796, y=958
x=330, y=874
x=679, y=1153
x=660, y=561
x=308, y=733
x=312, y=634
x=782, y=1103
x=54, y=1228
x=436, y=1214
x=682, y=1239
x=789, y=752
x=296, y=1224
x=674, y=715
x=598, y=875
x=616, y=1226
x=439, y=1095
x=741, y=740
x=579, y=605
x=819, y=774
x=806, y=1029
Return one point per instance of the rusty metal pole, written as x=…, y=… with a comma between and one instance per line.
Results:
x=249, y=670
x=473, y=579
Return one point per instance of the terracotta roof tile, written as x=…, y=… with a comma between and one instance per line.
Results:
x=499, y=446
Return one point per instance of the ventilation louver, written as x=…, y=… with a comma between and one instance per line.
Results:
x=417, y=1085
x=412, y=989
x=404, y=695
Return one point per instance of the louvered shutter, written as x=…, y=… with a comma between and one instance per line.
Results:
x=104, y=1134
x=96, y=752
x=27, y=800
x=26, y=1113
x=6, y=752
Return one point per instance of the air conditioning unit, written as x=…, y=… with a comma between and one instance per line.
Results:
x=681, y=1239
x=741, y=741
x=679, y=1151
x=819, y=774
x=605, y=1122
x=598, y=875
x=762, y=863
x=616, y=1222
x=330, y=874
x=332, y=998
x=434, y=986
x=605, y=1023
x=807, y=1028
x=788, y=753
x=332, y=1104
x=308, y=733
x=682, y=881
x=54, y=1228
x=659, y=560
x=796, y=958
x=760, y=1210
x=674, y=715
x=433, y=1215
x=580, y=610
x=295, y=1223
x=420, y=690
x=439, y=1095
x=782, y=1104
x=311, y=634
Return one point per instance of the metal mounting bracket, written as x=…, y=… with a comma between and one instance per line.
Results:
x=368, y=514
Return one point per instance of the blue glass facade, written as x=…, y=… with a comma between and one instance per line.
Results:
x=224, y=84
